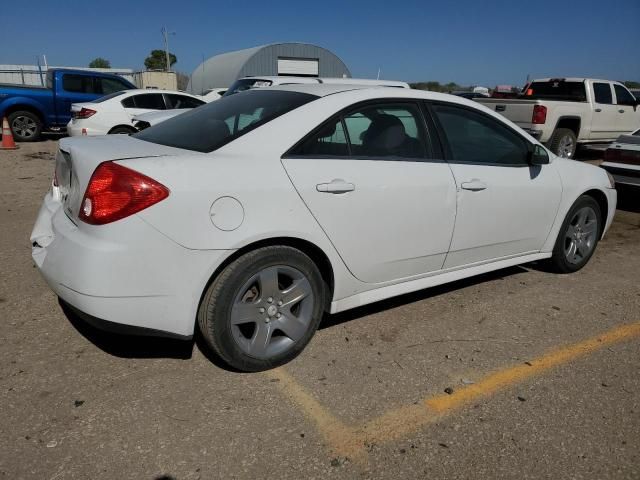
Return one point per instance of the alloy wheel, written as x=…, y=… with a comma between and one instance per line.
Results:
x=581, y=235
x=272, y=310
x=24, y=127
x=566, y=147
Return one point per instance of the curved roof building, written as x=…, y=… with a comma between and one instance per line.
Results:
x=294, y=59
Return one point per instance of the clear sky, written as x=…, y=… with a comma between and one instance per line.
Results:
x=469, y=42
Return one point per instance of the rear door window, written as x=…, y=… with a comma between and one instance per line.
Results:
x=78, y=83
x=602, y=93
x=149, y=101
x=111, y=85
x=556, y=90
x=182, y=101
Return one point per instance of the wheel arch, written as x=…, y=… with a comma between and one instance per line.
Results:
x=572, y=123
x=24, y=107
x=122, y=125
x=317, y=255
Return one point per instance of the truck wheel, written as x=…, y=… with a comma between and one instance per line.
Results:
x=26, y=126
x=563, y=143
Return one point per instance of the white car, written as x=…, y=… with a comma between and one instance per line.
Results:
x=213, y=94
x=255, y=214
x=113, y=113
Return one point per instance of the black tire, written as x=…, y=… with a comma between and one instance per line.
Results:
x=25, y=126
x=215, y=311
x=121, y=130
x=559, y=261
x=556, y=144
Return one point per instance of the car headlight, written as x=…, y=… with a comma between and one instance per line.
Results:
x=612, y=182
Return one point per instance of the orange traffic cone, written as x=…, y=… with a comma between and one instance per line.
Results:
x=7, y=137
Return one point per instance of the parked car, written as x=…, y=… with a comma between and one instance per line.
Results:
x=113, y=113
x=253, y=215
x=32, y=110
x=563, y=113
x=622, y=159
x=248, y=83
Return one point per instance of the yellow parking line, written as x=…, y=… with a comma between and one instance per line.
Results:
x=351, y=441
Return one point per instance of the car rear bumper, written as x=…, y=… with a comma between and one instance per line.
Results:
x=623, y=174
x=76, y=130
x=127, y=273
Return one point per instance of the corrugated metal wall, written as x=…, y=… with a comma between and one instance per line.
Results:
x=224, y=69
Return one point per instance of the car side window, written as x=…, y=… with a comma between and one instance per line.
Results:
x=128, y=102
x=477, y=138
x=182, y=101
x=330, y=140
x=111, y=85
x=623, y=97
x=78, y=83
x=387, y=130
x=151, y=101
x=602, y=93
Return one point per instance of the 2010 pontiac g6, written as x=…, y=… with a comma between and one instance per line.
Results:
x=254, y=215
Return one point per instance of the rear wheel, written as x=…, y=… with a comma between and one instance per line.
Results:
x=122, y=131
x=263, y=309
x=25, y=126
x=578, y=236
x=563, y=143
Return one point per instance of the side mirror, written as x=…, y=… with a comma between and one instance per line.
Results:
x=538, y=156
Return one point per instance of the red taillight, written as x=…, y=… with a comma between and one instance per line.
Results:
x=539, y=114
x=617, y=155
x=611, y=155
x=83, y=113
x=115, y=192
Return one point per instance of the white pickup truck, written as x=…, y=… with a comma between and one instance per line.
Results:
x=563, y=113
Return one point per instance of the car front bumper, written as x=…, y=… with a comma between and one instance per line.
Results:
x=127, y=273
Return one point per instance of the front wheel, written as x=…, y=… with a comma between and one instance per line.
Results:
x=263, y=309
x=578, y=236
x=122, y=131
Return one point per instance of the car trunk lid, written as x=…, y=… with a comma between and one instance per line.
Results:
x=78, y=158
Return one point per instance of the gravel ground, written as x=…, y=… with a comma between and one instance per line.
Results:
x=78, y=403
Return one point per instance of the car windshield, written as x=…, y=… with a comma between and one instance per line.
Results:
x=556, y=90
x=209, y=127
x=247, y=84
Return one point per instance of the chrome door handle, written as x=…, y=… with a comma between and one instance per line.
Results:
x=474, y=185
x=598, y=110
x=336, y=186
x=620, y=111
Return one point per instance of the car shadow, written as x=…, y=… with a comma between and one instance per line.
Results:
x=628, y=198
x=394, y=302
x=129, y=346
x=134, y=346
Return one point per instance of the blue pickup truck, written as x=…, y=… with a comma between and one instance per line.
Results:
x=32, y=110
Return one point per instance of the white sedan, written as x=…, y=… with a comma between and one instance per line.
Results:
x=113, y=113
x=256, y=214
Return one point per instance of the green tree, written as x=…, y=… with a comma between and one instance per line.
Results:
x=158, y=61
x=100, y=62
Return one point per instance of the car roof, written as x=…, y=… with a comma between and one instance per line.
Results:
x=286, y=80
x=572, y=79
x=325, y=89
x=137, y=91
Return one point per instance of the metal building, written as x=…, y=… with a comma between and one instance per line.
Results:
x=293, y=59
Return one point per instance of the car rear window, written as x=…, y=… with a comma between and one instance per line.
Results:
x=213, y=125
x=556, y=90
